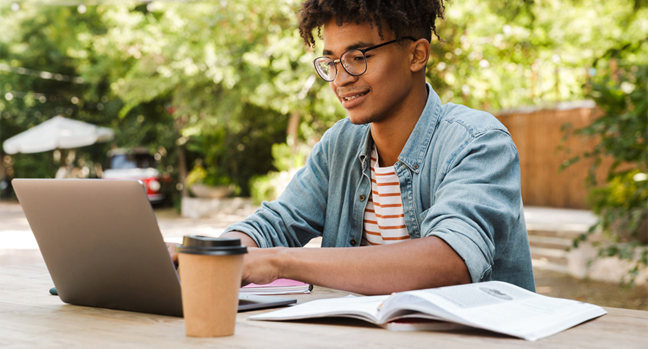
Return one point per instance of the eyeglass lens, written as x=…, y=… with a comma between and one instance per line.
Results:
x=353, y=61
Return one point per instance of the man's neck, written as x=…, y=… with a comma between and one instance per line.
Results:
x=391, y=134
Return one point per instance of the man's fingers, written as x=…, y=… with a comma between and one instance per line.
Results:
x=171, y=248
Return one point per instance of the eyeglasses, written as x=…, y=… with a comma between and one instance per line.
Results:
x=353, y=61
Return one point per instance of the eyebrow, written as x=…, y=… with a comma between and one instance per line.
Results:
x=357, y=45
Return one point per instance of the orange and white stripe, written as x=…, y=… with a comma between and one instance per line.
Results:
x=384, y=221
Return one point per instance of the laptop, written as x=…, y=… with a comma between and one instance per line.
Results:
x=103, y=248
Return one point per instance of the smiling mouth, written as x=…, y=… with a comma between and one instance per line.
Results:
x=350, y=98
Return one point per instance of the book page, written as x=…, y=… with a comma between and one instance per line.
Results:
x=497, y=306
x=413, y=323
x=363, y=308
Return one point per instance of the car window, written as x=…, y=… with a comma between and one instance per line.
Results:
x=127, y=161
x=122, y=161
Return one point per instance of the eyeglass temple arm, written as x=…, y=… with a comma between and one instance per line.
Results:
x=386, y=43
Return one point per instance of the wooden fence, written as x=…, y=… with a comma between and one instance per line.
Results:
x=538, y=136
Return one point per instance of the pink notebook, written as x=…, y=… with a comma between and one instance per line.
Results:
x=279, y=286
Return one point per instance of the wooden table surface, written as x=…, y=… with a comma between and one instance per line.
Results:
x=30, y=317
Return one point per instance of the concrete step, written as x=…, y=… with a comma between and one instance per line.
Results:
x=550, y=254
x=546, y=265
x=557, y=243
x=549, y=249
x=560, y=234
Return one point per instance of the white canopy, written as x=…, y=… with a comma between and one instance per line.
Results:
x=57, y=133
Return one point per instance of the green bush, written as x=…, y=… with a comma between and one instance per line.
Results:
x=622, y=206
x=621, y=203
x=288, y=161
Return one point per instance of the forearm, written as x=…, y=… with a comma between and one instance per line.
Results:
x=416, y=264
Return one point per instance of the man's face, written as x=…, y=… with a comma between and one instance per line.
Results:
x=378, y=94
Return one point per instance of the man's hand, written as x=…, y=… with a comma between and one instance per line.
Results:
x=171, y=247
x=260, y=265
x=245, y=240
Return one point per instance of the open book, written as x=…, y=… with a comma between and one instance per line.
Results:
x=494, y=305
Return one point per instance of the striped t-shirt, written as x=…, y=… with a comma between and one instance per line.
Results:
x=384, y=221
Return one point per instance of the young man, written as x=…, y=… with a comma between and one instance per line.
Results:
x=406, y=193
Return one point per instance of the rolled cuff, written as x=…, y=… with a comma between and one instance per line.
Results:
x=249, y=231
x=466, y=246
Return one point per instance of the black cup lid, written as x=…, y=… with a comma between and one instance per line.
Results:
x=198, y=244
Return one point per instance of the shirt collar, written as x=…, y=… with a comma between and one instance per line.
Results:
x=365, y=148
x=417, y=144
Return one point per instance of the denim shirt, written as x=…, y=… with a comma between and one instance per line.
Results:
x=459, y=177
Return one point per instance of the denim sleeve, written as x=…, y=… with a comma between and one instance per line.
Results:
x=298, y=214
x=477, y=202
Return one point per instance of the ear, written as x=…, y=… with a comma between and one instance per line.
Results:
x=420, y=53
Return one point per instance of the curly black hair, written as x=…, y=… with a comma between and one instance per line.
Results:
x=403, y=17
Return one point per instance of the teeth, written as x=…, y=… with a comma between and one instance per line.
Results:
x=353, y=97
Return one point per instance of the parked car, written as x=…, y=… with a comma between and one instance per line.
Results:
x=137, y=163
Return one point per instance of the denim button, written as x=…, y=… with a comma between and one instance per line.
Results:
x=415, y=166
x=353, y=242
x=362, y=198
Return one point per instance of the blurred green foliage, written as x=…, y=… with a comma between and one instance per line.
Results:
x=197, y=175
x=219, y=80
x=49, y=65
x=621, y=203
x=287, y=160
x=509, y=53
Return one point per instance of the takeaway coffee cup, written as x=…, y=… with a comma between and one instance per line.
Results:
x=210, y=275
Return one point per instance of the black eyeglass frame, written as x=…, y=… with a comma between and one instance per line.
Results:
x=363, y=51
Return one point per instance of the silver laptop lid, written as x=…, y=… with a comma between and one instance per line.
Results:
x=101, y=243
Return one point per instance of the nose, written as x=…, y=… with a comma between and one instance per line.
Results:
x=343, y=77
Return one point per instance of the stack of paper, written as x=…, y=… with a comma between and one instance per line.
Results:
x=279, y=286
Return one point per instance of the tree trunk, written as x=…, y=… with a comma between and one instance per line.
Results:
x=293, y=127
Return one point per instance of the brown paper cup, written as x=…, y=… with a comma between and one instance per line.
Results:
x=210, y=286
